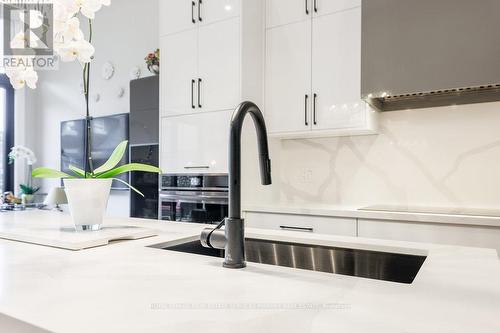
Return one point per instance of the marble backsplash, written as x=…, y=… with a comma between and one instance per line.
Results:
x=437, y=157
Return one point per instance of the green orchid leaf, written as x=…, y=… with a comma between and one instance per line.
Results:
x=131, y=187
x=26, y=189
x=128, y=168
x=49, y=173
x=77, y=171
x=114, y=159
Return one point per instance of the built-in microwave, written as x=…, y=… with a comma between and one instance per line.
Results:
x=194, y=198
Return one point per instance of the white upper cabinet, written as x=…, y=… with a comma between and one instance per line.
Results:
x=322, y=7
x=201, y=69
x=210, y=11
x=288, y=78
x=281, y=12
x=179, y=60
x=208, y=67
x=219, y=65
x=177, y=15
x=195, y=143
x=336, y=58
x=313, y=71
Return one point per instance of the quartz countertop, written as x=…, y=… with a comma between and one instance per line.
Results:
x=130, y=287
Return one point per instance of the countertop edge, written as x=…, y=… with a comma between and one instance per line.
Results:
x=468, y=220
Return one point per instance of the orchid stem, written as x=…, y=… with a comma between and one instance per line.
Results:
x=88, y=165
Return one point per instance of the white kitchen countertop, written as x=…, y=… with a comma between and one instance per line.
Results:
x=128, y=287
x=333, y=211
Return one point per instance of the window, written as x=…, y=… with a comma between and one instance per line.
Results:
x=6, y=133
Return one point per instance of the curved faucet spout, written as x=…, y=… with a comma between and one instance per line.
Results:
x=235, y=153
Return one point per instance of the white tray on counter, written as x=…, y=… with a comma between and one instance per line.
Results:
x=55, y=230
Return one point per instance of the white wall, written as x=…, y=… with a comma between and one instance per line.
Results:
x=123, y=34
x=446, y=157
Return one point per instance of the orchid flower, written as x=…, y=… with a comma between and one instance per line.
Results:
x=77, y=49
x=87, y=7
x=69, y=42
x=18, y=152
x=21, y=76
x=69, y=30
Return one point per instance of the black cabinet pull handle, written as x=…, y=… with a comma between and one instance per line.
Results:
x=286, y=227
x=192, y=12
x=305, y=109
x=307, y=7
x=199, y=93
x=314, y=109
x=192, y=93
x=200, y=2
x=315, y=6
x=197, y=167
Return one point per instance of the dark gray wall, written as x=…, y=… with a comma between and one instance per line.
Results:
x=144, y=110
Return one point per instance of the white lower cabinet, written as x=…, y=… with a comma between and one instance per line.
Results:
x=302, y=223
x=451, y=234
x=195, y=143
x=433, y=233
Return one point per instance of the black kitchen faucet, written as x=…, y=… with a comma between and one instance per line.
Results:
x=232, y=238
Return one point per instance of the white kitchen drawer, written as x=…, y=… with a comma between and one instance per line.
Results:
x=452, y=234
x=302, y=223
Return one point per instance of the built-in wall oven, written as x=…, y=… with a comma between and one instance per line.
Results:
x=194, y=198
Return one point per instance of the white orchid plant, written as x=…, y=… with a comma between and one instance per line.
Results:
x=69, y=45
x=69, y=40
x=24, y=153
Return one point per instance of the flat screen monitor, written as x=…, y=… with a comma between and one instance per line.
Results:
x=107, y=133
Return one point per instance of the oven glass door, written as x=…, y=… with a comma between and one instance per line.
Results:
x=193, y=208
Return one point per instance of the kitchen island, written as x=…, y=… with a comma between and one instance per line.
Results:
x=129, y=286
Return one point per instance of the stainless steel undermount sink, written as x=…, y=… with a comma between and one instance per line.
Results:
x=394, y=267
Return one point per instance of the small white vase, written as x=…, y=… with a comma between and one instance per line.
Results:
x=27, y=198
x=87, y=201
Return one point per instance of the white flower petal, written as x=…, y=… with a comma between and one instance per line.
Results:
x=80, y=49
x=86, y=51
x=31, y=79
x=88, y=13
x=19, y=77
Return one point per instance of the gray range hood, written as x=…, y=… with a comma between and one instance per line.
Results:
x=424, y=53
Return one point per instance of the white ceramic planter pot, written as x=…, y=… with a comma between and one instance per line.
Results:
x=87, y=201
x=27, y=198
